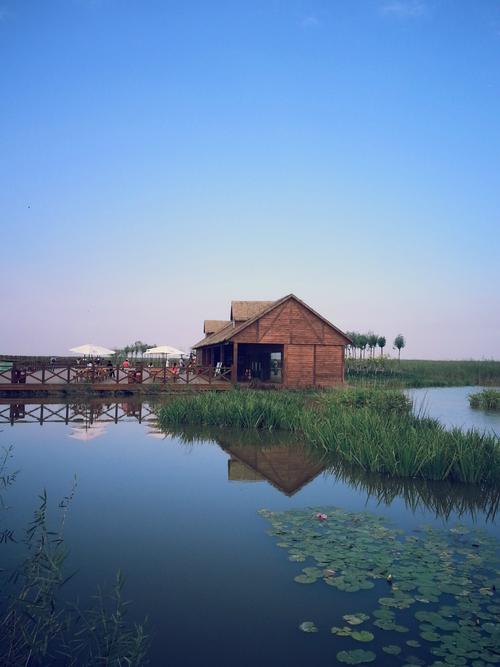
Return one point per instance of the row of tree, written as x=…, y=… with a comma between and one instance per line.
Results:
x=368, y=343
x=134, y=349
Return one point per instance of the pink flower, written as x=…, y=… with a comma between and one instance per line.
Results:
x=321, y=517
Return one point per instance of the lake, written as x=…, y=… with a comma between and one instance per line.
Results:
x=179, y=515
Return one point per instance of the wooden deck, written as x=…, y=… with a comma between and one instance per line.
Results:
x=64, y=378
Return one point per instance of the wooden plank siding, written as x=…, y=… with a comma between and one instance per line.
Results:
x=313, y=352
x=312, y=347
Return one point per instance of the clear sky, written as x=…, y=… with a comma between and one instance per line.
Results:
x=158, y=159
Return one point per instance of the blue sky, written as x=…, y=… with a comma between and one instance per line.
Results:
x=158, y=159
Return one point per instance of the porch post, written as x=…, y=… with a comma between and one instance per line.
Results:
x=234, y=367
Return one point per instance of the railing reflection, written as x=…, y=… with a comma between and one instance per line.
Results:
x=78, y=412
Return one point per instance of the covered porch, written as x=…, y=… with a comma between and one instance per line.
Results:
x=248, y=362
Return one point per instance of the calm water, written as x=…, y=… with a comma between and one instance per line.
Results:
x=451, y=406
x=179, y=517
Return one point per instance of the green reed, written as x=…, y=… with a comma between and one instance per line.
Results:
x=488, y=399
x=422, y=372
x=373, y=429
x=37, y=627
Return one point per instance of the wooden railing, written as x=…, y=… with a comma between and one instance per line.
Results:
x=74, y=374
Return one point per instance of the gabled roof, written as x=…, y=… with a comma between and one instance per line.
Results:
x=244, y=310
x=225, y=334
x=212, y=326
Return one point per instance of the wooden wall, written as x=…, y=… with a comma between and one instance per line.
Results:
x=313, y=351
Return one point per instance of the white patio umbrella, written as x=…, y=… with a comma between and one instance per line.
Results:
x=165, y=351
x=90, y=350
x=86, y=433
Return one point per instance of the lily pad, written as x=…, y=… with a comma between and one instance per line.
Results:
x=308, y=626
x=356, y=657
x=355, y=619
x=392, y=649
x=304, y=579
x=341, y=632
x=362, y=636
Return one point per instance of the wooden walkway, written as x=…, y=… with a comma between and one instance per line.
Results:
x=139, y=378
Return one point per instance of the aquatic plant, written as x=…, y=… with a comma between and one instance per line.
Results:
x=373, y=429
x=37, y=627
x=488, y=399
x=437, y=588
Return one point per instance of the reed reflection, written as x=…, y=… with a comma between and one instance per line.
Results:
x=290, y=465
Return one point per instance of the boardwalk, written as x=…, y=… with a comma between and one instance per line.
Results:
x=62, y=376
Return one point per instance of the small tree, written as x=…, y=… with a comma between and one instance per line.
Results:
x=381, y=341
x=399, y=343
x=362, y=342
x=372, y=342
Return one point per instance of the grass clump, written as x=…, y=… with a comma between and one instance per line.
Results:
x=488, y=399
x=374, y=429
x=37, y=626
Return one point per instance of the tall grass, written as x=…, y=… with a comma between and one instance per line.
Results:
x=423, y=373
x=488, y=399
x=37, y=626
x=373, y=429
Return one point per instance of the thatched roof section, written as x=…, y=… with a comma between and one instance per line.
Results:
x=212, y=326
x=244, y=310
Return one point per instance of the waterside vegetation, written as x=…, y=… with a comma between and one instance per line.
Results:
x=488, y=399
x=422, y=373
x=376, y=430
x=38, y=627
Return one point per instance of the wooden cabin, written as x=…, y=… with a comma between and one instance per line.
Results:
x=283, y=342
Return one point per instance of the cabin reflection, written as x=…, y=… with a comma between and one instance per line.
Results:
x=288, y=466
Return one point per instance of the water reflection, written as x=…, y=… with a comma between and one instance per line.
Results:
x=87, y=412
x=278, y=459
x=286, y=464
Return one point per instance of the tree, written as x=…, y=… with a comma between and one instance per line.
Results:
x=381, y=343
x=362, y=342
x=351, y=348
x=372, y=342
x=399, y=343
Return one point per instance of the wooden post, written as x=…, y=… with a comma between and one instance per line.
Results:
x=165, y=371
x=314, y=365
x=43, y=375
x=69, y=376
x=234, y=367
x=283, y=365
x=221, y=355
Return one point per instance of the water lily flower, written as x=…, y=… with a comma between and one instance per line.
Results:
x=321, y=517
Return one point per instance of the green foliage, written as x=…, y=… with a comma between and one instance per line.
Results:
x=488, y=399
x=38, y=628
x=373, y=429
x=399, y=343
x=422, y=373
